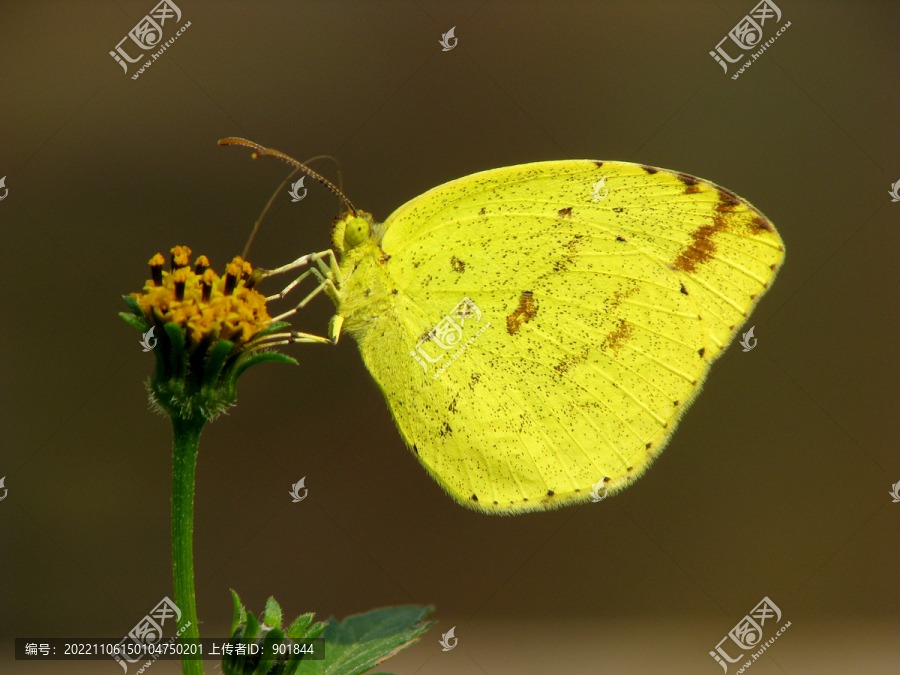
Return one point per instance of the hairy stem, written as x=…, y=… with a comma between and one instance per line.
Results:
x=184, y=464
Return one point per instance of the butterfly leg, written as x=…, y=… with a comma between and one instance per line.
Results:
x=289, y=287
x=332, y=272
x=329, y=277
x=286, y=338
x=326, y=285
x=334, y=328
x=289, y=337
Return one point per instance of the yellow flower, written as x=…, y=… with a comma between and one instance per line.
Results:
x=211, y=329
x=204, y=303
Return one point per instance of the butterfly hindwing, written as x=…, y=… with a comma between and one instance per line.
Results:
x=536, y=340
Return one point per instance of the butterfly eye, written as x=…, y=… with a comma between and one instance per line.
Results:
x=356, y=232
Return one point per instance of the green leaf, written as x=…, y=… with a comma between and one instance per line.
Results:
x=262, y=357
x=215, y=361
x=316, y=629
x=361, y=642
x=272, y=615
x=250, y=633
x=141, y=324
x=273, y=327
x=239, y=616
x=133, y=306
x=276, y=635
x=176, y=345
x=297, y=630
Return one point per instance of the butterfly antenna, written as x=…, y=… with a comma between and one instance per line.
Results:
x=261, y=151
x=276, y=193
x=337, y=164
x=265, y=211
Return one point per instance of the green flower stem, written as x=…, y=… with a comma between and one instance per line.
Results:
x=184, y=465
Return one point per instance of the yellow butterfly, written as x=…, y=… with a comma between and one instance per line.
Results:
x=539, y=330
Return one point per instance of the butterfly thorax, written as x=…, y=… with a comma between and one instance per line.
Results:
x=367, y=292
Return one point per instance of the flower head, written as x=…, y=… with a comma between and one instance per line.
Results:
x=212, y=329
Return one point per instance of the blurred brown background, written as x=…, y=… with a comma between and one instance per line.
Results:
x=776, y=484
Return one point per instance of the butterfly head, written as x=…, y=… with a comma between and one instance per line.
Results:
x=351, y=231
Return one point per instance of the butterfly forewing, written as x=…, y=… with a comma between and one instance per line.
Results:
x=546, y=334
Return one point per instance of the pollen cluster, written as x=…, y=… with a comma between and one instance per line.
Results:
x=203, y=303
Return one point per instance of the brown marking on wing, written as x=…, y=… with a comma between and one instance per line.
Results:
x=692, y=189
x=761, y=224
x=618, y=297
x=618, y=337
x=687, y=179
x=523, y=314
x=457, y=265
x=702, y=248
x=649, y=169
x=571, y=252
x=728, y=201
x=599, y=164
x=562, y=213
x=567, y=362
